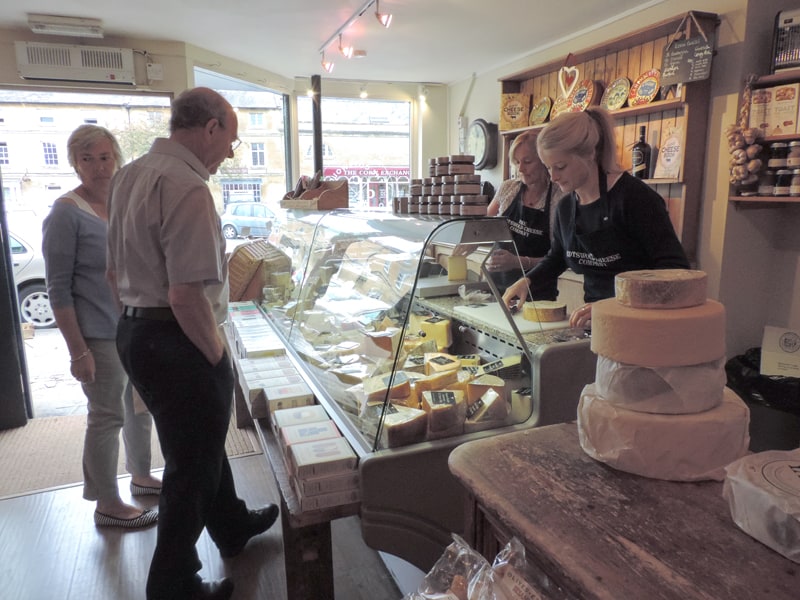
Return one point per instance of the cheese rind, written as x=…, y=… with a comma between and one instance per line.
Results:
x=663, y=390
x=763, y=492
x=692, y=447
x=661, y=288
x=544, y=311
x=658, y=338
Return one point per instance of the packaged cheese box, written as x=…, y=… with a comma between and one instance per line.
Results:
x=515, y=109
x=298, y=415
x=325, y=457
x=324, y=500
x=782, y=109
x=309, y=432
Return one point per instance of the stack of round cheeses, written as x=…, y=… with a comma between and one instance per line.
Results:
x=659, y=406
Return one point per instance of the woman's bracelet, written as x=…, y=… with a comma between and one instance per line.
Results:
x=86, y=353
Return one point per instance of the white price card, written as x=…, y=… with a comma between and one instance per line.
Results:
x=780, y=352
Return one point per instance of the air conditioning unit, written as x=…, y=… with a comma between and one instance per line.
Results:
x=65, y=62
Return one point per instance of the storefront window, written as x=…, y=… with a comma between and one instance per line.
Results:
x=367, y=141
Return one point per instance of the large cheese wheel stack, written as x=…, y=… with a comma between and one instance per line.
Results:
x=659, y=406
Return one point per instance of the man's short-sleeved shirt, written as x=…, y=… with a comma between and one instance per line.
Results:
x=164, y=229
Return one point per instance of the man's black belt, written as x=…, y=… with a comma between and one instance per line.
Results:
x=154, y=313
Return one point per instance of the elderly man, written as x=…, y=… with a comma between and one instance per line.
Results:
x=167, y=262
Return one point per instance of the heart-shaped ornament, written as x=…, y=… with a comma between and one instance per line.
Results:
x=567, y=79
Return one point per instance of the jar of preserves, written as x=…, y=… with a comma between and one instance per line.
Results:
x=794, y=186
x=766, y=183
x=793, y=157
x=778, y=153
x=783, y=182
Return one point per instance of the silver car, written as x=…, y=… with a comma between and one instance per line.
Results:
x=29, y=276
x=246, y=219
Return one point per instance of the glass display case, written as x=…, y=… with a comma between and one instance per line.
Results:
x=398, y=326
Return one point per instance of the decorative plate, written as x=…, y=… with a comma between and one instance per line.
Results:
x=645, y=88
x=540, y=110
x=586, y=93
x=559, y=106
x=616, y=94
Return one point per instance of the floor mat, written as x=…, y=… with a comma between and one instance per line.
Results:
x=46, y=453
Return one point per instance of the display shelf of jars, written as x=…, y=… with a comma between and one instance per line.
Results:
x=789, y=194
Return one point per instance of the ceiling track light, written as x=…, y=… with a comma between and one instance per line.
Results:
x=384, y=19
x=346, y=51
x=71, y=26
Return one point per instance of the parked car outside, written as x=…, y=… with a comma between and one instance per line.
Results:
x=27, y=264
x=243, y=219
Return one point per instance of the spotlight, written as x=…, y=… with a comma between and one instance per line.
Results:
x=423, y=95
x=326, y=64
x=384, y=19
x=363, y=94
x=347, y=51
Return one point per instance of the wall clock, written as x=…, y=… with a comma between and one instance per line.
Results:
x=482, y=143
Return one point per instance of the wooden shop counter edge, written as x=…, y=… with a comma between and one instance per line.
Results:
x=307, y=544
x=594, y=532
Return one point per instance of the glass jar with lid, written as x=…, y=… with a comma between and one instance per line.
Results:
x=766, y=183
x=793, y=157
x=794, y=186
x=778, y=153
x=783, y=182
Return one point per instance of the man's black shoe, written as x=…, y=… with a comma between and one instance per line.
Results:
x=258, y=522
x=221, y=589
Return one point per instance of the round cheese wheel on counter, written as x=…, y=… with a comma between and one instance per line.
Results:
x=661, y=288
x=662, y=390
x=763, y=492
x=544, y=311
x=692, y=447
x=658, y=338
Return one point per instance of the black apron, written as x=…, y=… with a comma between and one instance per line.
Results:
x=530, y=230
x=599, y=255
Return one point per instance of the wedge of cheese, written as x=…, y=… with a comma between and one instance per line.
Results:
x=377, y=388
x=439, y=362
x=487, y=412
x=446, y=409
x=403, y=426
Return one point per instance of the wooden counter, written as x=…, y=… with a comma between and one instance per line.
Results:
x=594, y=532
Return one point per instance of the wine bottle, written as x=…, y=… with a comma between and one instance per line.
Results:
x=641, y=156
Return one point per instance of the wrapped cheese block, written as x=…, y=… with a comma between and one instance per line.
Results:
x=544, y=311
x=658, y=338
x=438, y=329
x=378, y=387
x=439, y=362
x=664, y=390
x=661, y=288
x=446, y=409
x=691, y=447
x=763, y=492
x=487, y=412
x=403, y=426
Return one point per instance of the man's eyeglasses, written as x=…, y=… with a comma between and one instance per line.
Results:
x=235, y=144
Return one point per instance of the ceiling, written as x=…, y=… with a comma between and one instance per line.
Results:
x=429, y=41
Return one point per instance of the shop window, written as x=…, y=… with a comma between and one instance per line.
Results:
x=3, y=153
x=50, y=154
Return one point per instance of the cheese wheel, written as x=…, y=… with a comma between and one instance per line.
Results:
x=473, y=210
x=544, y=311
x=663, y=390
x=763, y=492
x=661, y=288
x=691, y=447
x=658, y=338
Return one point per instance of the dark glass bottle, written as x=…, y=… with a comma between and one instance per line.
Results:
x=641, y=156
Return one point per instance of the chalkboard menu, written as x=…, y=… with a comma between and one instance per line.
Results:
x=687, y=60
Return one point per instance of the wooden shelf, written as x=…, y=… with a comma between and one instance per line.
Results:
x=787, y=76
x=767, y=199
x=785, y=137
x=628, y=111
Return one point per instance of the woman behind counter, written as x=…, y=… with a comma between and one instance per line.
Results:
x=608, y=223
x=74, y=247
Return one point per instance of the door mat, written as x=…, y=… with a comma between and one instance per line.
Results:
x=47, y=452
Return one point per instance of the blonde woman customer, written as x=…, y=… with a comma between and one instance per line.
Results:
x=74, y=246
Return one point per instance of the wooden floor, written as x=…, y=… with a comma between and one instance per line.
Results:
x=51, y=550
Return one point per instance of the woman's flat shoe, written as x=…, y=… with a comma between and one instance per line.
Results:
x=142, y=490
x=147, y=518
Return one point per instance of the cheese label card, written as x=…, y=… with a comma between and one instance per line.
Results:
x=780, y=352
x=443, y=398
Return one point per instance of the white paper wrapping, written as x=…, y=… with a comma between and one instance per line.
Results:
x=662, y=390
x=673, y=447
x=763, y=491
